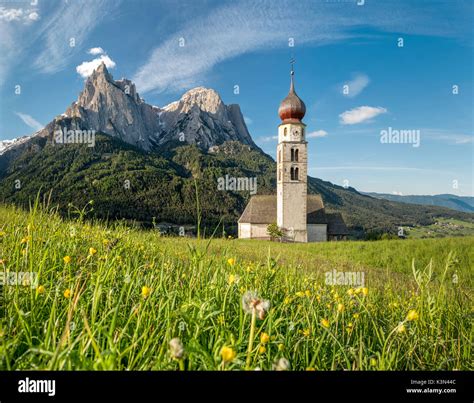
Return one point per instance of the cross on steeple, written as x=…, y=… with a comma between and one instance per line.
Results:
x=292, y=62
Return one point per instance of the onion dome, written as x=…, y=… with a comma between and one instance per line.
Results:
x=292, y=108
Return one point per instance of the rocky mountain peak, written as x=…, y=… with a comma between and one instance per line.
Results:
x=114, y=107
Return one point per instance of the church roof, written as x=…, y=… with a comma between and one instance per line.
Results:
x=262, y=209
x=336, y=224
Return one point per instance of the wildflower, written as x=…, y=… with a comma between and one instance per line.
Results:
x=365, y=291
x=40, y=289
x=325, y=323
x=340, y=307
x=105, y=242
x=350, y=291
x=281, y=347
x=300, y=294
x=373, y=362
x=231, y=261
x=306, y=332
x=308, y=293
x=262, y=350
x=176, y=348
x=2, y=233
x=227, y=354
x=412, y=315
x=146, y=291
x=232, y=279
x=356, y=315
x=264, y=338
x=281, y=365
x=401, y=328
x=67, y=293
x=251, y=301
x=23, y=240
x=287, y=300
x=92, y=251
x=67, y=259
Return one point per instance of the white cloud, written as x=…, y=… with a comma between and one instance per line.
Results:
x=18, y=14
x=360, y=114
x=247, y=120
x=85, y=69
x=448, y=136
x=397, y=193
x=355, y=86
x=70, y=24
x=96, y=51
x=30, y=121
x=317, y=133
x=242, y=27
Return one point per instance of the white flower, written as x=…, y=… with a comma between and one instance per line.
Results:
x=176, y=348
x=251, y=301
x=281, y=365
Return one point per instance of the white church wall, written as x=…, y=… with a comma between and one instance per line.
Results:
x=317, y=232
x=259, y=231
x=244, y=230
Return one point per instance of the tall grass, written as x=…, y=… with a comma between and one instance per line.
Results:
x=110, y=297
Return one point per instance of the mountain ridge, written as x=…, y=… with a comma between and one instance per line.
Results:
x=162, y=152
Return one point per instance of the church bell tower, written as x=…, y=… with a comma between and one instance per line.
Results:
x=292, y=168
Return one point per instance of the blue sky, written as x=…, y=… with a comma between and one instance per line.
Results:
x=246, y=43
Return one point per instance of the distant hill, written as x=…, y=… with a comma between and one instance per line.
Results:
x=460, y=203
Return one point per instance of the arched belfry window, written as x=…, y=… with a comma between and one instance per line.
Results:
x=296, y=174
x=292, y=154
x=296, y=155
x=302, y=133
x=285, y=131
x=292, y=173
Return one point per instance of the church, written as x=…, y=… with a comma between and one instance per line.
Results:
x=301, y=217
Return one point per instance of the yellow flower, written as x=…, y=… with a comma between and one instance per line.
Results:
x=231, y=261
x=2, y=233
x=105, y=242
x=23, y=240
x=373, y=362
x=232, y=279
x=340, y=307
x=365, y=291
x=40, y=290
x=287, y=300
x=262, y=350
x=412, y=315
x=67, y=259
x=306, y=332
x=227, y=354
x=325, y=323
x=92, y=251
x=308, y=293
x=281, y=347
x=67, y=293
x=356, y=315
x=146, y=291
x=310, y=369
x=350, y=291
x=300, y=294
x=264, y=338
x=401, y=328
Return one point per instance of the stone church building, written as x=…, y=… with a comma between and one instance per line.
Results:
x=301, y=217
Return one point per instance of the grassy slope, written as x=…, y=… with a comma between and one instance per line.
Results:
x=196, y=295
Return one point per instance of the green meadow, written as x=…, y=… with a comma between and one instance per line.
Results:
x=110, y=297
